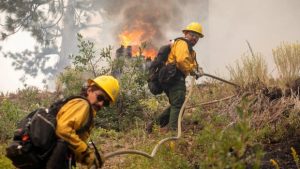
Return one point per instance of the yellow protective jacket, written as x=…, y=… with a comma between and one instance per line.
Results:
x=180, y=54
x=70, y=118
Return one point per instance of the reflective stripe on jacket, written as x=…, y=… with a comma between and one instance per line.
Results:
x=70, y=118
x=185, y=61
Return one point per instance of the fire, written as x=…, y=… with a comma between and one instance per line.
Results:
x=150, y=53
x=135, y=38
x=136, y=51
x=131, y=37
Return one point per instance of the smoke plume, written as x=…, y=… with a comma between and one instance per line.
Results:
x=157, y=18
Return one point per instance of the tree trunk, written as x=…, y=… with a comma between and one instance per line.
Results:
x=69, y=37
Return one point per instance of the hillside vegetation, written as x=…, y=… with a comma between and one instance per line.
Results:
x=254, y=126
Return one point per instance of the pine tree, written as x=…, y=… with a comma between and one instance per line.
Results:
x=50, y=22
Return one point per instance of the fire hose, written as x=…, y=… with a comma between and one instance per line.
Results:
x=179, y=131
x=155, y=149
x=220, y=79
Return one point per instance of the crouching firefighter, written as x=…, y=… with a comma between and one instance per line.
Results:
x=55, y=138
x=71, y=119
x=180, y=62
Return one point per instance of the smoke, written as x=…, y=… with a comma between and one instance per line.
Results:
x=227, y=25
x=265, y=24
x=159, y=19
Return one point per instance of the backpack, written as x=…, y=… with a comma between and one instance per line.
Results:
x=35, y=137
x=160, y=74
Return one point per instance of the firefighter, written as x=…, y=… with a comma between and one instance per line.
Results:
x=100, y=92
x=184, y=57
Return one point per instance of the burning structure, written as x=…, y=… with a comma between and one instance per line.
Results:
x=135, y=43
x=124, y=51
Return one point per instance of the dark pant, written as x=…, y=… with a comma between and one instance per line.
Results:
x=60, y=157
x=176, y=94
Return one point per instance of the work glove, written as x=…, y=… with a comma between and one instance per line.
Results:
x=88, y=158
x=200, y=71
x=195, y=74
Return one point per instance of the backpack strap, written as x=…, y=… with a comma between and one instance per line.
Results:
x=188, y=43
x=189, y=46
x=191, y=50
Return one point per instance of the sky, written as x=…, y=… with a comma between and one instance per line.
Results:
x=11, y=78
x=265, y=24
x=227, y=26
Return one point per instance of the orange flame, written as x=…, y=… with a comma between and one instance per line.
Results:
x=131, y=38
x=150, y=53
x=135, y=38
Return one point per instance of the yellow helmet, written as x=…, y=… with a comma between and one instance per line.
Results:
x=194, y=27
x=109, y=84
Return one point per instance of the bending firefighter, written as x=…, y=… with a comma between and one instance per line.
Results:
x=183, y=57
x=100, y=92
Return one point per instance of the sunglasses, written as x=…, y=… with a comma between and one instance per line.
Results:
x=106, y=101
x=195, y=35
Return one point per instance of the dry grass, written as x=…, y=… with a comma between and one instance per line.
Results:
x=250, y=70
x=287, y=60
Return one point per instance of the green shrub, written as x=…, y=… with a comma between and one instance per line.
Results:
x=31, y=98
x=70, y=82
x=228, y=145
x=87, y=63
x=88, y=60
x=164, y=159
x=131, y=98
x=9, y=115
x=4, y=162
